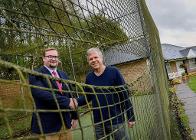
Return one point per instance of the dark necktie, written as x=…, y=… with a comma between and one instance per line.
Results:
x=57, y=82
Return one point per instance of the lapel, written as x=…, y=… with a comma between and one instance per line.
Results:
x=53, y=82
x=63, y=76
x=60, y=74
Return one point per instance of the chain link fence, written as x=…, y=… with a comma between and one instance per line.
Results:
x=123, y=30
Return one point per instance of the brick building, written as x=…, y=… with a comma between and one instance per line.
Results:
x=179, y=60
x=134, y=67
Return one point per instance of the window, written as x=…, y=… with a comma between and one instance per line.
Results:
x=192, y=63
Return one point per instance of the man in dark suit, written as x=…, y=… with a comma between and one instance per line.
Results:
x=50, y=122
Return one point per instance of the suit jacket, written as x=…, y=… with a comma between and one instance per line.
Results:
x=44, y=100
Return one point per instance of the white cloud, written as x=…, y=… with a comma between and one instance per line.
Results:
x=176, y=20
x=176, y=37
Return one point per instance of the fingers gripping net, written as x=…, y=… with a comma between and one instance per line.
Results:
x=124, y=31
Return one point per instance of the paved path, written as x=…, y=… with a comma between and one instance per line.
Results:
x=188, y=97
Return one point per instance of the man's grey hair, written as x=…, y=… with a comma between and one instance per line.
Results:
x=89, y=51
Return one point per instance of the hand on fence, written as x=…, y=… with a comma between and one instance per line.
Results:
x=74, y=123
x=73, y=103
x=131, y=124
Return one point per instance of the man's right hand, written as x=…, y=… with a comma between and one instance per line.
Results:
x=131, y=124
x=73, y=103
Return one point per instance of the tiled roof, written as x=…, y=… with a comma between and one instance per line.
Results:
x=172, y=52
x=124, y=53
x=114, y=56
x=189, y=52
x=131, y=52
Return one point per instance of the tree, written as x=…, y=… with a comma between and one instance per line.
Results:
x=103, y=32
x=33, y=25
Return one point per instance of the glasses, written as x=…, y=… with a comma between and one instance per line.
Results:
x=52, y=57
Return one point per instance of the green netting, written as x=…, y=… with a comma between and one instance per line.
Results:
x=123, y=30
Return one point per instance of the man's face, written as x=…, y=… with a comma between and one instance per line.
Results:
x=51, y=59
x=94, y=60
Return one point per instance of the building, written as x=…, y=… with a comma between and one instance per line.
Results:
x=133, y=65
x=179, y=60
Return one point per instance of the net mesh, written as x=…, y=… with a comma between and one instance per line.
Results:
x=123, y=30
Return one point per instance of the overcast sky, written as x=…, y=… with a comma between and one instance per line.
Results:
x=175, y=20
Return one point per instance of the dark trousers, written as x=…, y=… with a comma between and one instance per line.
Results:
x=117, y=132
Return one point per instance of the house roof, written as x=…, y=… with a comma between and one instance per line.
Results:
x=189, y=52
x=124, y=53
x=114, y=57
x=173, y=52
x=134, y=51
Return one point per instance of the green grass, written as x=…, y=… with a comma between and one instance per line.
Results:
x=192, y=83
x=17, y=125
x=88, y=130
x=15, y=122
x=148, y=123
x=179, y=121
x=147, y=126
x=175, y=133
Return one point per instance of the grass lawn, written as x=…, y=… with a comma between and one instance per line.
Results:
x=192, y=83
x=148, y=123
x=14, y=122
